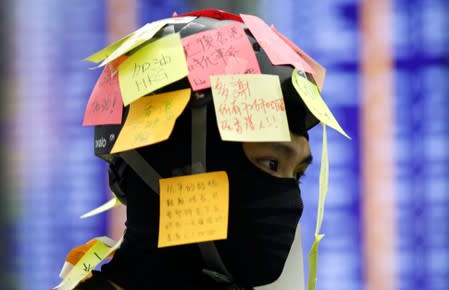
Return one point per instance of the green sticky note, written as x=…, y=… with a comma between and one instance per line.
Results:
x=153, y=66
x=312, y=98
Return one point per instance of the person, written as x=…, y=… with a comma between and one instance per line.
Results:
x=265, y=202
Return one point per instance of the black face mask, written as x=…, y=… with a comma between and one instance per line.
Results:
x=263, y=215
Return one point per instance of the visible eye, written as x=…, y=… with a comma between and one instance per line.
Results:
x=272, y=165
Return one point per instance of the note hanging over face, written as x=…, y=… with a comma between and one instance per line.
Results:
x=311, y=96
x=217, y=51
x=250, y=107
x=105, y=105
x=193, y=208
x=153, y=66
x=151, y=119
x=277, y=50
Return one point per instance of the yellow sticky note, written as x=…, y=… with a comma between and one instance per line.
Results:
x=313, y=263
x=314, y=102
x=193, y=208
x=138, y=37
x=324, y=181
x=153, y=66
x=96, y=254
x=102, y=208
x=107, y=51
x=141, y=35
x=250, y=107
x=151, y=119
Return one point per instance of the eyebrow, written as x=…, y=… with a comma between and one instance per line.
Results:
x=288, y=152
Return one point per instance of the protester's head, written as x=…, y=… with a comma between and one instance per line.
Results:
x=264, y=196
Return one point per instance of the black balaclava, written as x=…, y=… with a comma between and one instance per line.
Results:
x=263, y=210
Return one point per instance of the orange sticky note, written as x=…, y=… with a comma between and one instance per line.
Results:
x=94, y=255
x=250, y=107
x=105, y=105
x=151, y=119
x=277, y=50
x=193, y=208
x=153, y=66
x=217, y=51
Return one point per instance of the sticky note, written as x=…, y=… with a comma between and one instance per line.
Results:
x=102, y=208
x=311, y=96
x=151, y=119
x=250, y=107
x=277, y=50
x=193, y=208
x=142, y=35
x=138, y=37
x=223, y=50
x=105, y=105
x=153, y=66
x=107, y=51
x=319, y=72
x=95, y=255
x=313, y=263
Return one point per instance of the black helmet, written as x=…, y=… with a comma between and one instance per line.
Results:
x=300, y=119
x=194, y=146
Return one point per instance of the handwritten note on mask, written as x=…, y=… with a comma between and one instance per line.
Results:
x=193, y=208
x=218, y=51
x=312, y=98
x=151, y=119
x=153, y=66
x=250, y=107
x=105, y=105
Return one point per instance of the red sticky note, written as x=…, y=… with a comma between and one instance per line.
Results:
x=225, y=50
x=105, y=105
x=279, y=52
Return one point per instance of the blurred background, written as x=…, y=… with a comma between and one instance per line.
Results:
x=387, y=213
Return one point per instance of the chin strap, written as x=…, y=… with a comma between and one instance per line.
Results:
x=216, y=268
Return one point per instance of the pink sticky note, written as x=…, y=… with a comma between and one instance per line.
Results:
x=279, y=52
x=318, y=72
x=105, y=105
x=223, y=50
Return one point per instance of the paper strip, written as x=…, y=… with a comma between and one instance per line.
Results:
x=102, y=208
x=313, y=263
